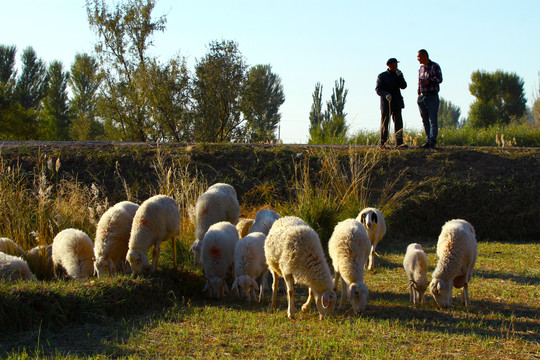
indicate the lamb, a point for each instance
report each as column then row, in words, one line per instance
column 457, row 251
column 10, row 247
column 416, row 265
column 293, row 250
column 73, row 254
column 264, row 220
column 349, row 248
column 156, row 220
column 39, row 259
column 243, row 226
column 373, row 221
column 218, row 203
column 249, row 264
column 13, row 268
column 112, row 238
column 217, row 256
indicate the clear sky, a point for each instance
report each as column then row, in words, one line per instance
column 307, row 42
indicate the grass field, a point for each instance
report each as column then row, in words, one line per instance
column 166, row 315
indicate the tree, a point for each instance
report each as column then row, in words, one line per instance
column 219, row 78
column 55, row 112
column 449, row 114
column 316, row 116
column 11, row 111
column 262, row 96
column 500, row 98
column 124, row 38
column 85, row 81
column 332, row 127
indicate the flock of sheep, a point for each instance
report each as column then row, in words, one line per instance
column 241, row 252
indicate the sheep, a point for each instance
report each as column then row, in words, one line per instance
column 73, row 254
column 112, row 238
column 293, row 250
column 373, row 221
column 249, row 264
column 39, row 259
column 13, row 268
column 416, row 265
column 349, row 248
column 217, row 203
column 243, row 226
column 10, row 247
column 457, row 251
column 263, row 221
column 156, row 220
column 217, row 256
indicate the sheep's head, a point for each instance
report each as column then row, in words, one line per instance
column 247, row 286
column 358, row 295
column 419, row 288
column 325, row 303
column 196, row 247
column 138, row 261
column 216, row 286
column 369, row 219
column 103, row 266
column 442, row 292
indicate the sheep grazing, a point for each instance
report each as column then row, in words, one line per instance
column 217, row 255
column 373, row 221
column 10, row 247
column 112, row 238
column 217, row 203
column 293, row 250
column 349, row 248
column 243, row 226
column 73, row 254
column 416, row 266
column 39, row 259
column 264, row 220
column 156, row 220
column 457, row 251
column 13, row 268
column 250, row 264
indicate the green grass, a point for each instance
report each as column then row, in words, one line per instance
column 502, row 321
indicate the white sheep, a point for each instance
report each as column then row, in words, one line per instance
column 243, row 226
column 217, row 255
column 218, row 203
column 415, row 264
column 10, row 247
column 457, row 251
column 73, row 254
column 349, row 248
column 264, row 220
column 250, row 264
column 112, row 238
column 156, row 220
column 13, row 268
column 373, row 221
column 293, row 250
column 39, row 259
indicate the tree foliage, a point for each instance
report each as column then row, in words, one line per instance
column 330, row 126
column 261, row 98
column 55, row 114
column 449, row 114
column 219, row 78
column 500, row 98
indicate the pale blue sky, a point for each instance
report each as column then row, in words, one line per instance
column 307, row 42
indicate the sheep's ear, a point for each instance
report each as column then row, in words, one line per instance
column 234, row 284
column 375, row 218
column 440, row 286
column 363, row 218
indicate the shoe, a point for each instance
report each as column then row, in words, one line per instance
column 426, row 146
column 402, row 146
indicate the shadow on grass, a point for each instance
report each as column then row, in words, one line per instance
column 525, row 280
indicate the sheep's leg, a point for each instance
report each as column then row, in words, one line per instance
column 155, row 256
column 275, row 288
column 411, row 293
column 263, row 283
column 344, row 289
column 465, row 295
column 307, row 304
column 336, row 280
column 371, row 258
column 289, row 281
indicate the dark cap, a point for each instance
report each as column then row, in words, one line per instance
column 391, row 61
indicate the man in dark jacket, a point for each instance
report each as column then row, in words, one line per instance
column 388, row 88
